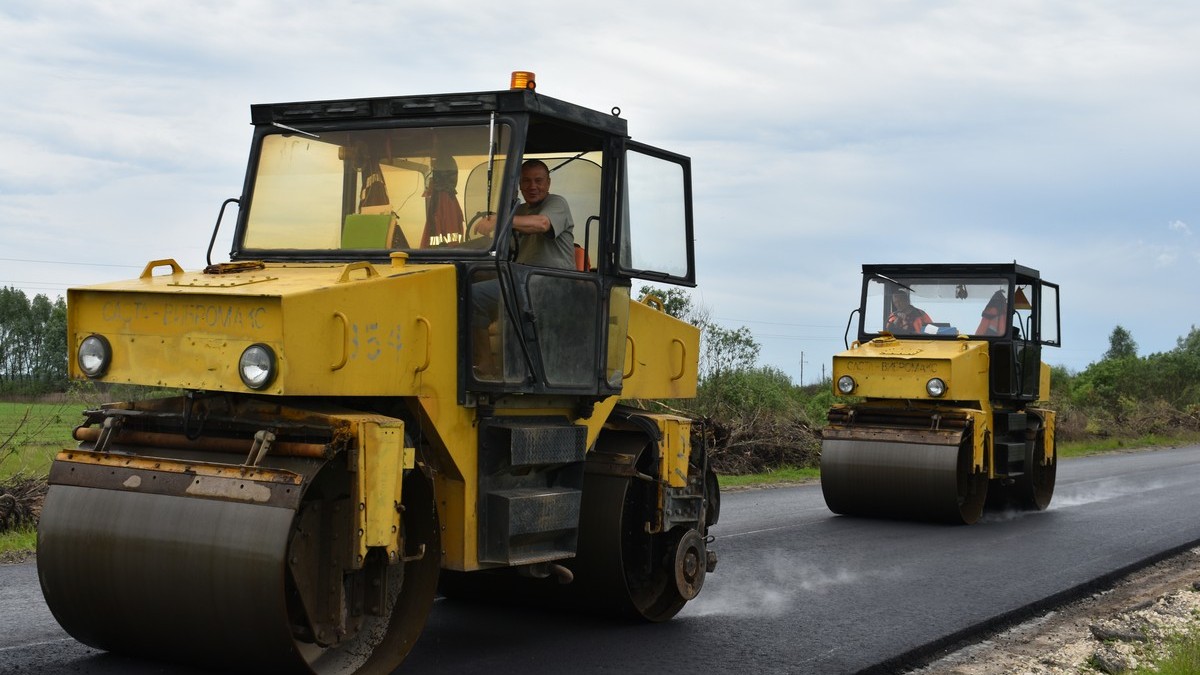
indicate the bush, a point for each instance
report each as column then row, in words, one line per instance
column 758, row 420
column 21, row 500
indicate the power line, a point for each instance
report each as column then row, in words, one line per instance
column 64, row 262
column 776, row 323
column 795, row 337
column 33, row 283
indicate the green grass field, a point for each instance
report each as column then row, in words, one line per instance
column 32, row 433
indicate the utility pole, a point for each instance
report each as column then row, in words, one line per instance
column 801, row 369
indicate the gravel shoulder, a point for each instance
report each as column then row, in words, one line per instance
column 1110, row 631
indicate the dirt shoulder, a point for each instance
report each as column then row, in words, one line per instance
column 1111, row 631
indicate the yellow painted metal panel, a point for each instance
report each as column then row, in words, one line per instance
column 675, row 448
column 1048, row 422
column 381, row 456
column 196, row 339
column 900, row 369
column 662, row 355
column 370, row 330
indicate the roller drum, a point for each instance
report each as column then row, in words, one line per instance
column 892, row 479
column 221, row 566
column 193, row 580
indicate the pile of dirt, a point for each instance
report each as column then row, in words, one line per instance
column 1112, row 631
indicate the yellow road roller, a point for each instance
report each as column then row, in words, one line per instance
column 378, row 387
column 942, row 387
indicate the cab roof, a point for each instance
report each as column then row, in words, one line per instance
column 333, row 113
column 952, row 269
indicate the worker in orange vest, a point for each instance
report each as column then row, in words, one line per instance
column 906, row 319
column 994, row 319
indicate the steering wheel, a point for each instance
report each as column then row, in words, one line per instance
column 472, row 233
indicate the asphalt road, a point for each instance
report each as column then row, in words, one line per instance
column 798, row 590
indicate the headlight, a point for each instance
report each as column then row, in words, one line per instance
column 95, row 355
column 936, row 387
column 257, row 366
column 845, row 384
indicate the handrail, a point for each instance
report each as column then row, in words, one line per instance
column 338, row 365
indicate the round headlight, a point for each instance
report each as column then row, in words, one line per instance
column 257, row 366
column 936, row 387
column 95, row 355
column 845, row 384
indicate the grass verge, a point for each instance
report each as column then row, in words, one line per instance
column 1095, row 447
column 781, row 476
column 1182, row 657
column 17, row 545
column 32, row 433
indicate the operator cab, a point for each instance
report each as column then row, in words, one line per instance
column 1007, row 305
column 412, row 178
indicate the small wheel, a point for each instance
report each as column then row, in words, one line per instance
column 690, row 564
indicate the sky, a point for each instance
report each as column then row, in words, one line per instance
column 824, row 134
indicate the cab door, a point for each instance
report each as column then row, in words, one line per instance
column 655, row 238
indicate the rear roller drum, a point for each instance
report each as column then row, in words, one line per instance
column 619, row 567
column 1033, row 490
column 624, row 569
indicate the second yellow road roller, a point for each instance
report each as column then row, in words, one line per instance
column 407, row 366
column 942, row 391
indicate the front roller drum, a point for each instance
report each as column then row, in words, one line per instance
column 892, row 479
column 208, row 581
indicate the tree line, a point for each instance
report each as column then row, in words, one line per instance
column 33, row 343
column 1126, row 395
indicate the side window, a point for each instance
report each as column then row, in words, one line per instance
column 655, row 239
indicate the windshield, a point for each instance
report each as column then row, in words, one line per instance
column 405, row 189
column 948, row 306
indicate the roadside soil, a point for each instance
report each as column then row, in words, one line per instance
column 1111, row 631
column 13, row 557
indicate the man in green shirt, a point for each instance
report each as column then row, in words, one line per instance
column 544, row 230
column 544, row 234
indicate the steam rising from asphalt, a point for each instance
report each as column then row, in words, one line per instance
column 1101, row 491
column 1079, row 495
column 765, row 591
